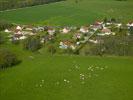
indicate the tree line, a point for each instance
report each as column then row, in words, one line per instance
column 13, row 4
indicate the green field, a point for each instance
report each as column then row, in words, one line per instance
column 70, row 13
column 42, row 78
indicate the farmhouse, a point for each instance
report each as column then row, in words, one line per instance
column 130, row 24
column 17, row 36
column 51, row 31
column 77, row 36
column 65, row 30
column 96, row 26
column 67, row 44
column 93, row 41
column 18, row 28
column 17, row 32
column 7, row 31
column 118, row 25
column 84, row 29
column 104, row 32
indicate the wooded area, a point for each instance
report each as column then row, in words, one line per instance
column 12, row 4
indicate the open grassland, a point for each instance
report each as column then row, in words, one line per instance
column 42, row 77
column 71, row 13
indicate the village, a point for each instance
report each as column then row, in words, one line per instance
column 66, row 50
column 78, row 35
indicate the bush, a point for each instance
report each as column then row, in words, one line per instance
column 98, row 49
column 84, row 50
column 2, row 38
column 7, row 59
column 131, row 30
column 4, row 25
column 32, row 43
column 51, row 49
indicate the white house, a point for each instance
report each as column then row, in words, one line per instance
column 7, row 31
column 130, row 25
column 65, row 30
column 84, row 29
column 51, row 31
column 118, row 25
column 106, row 31
column 78, row 36
column 22, row 37
column 18, row 28
column 93, row 41
column 66, row 45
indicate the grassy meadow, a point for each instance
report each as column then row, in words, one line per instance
column 44, row 77
column 41, row 76
column 70, row 13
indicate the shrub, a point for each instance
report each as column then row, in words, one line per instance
column 51, row 49
column 2, row 38
column 131, row 30
column 32, row 43
column 7, row 59
column 85, row 50
column 4, row 25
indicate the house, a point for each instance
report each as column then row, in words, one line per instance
column 93, row 41
column 108, row 23
column 18, row 28
column 65, row 30
column 97, row 26
column 47, row 38
column 51, row 31
column 63, row 45
column 130, row 24
column 22, row 37
column 77, row 36
column 106, row 31
column 40, row 29
column 67, row 44
column 84, row 29
column 28, row 33
column 99, row 22
column 28, row 28
column 17, row 32
column 118, row 25
column 7, row 31
column 17, row 36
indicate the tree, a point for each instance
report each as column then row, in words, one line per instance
column 2, row 38
column 51, row 49
column 131, row 30
column 4, row 25
column 32, row 43
column 7, row 59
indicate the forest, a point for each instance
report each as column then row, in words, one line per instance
column 13, row 4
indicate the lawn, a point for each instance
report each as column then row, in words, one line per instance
column 42, row 77
column 70, row 13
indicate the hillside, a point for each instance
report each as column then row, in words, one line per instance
column 67, row 50
column 71, row 13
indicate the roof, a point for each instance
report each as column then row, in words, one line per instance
column 106, row 30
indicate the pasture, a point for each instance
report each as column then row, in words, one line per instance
column 71, row 13
column 43, row 77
